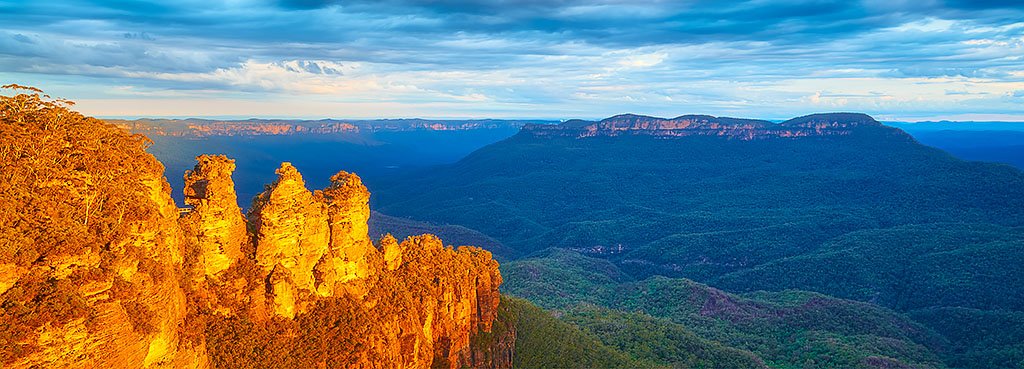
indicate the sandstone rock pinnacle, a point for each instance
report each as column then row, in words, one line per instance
column 215, row 223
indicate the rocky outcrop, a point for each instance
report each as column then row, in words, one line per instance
column 816, row 125
column 98, row 270
column 316, row 243
column 214, row 224
column 426, row 300
column 346, row 264
column 291, row 235
column 459, row 298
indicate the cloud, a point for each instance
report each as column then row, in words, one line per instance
column 643, row 60
column 554, row 58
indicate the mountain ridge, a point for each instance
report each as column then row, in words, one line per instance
column 752, row 214
column 813, row 125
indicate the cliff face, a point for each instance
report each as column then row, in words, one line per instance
column 90, row 249
column 98, row 269
column 816, row 125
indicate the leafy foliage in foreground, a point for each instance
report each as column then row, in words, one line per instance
column 543, row 341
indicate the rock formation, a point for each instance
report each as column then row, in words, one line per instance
column 98, row 270
column 215, row 223
column 312, row 243
column 426, row 300
column 92, row 255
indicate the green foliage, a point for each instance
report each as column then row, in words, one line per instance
column 658, row 340
column 873, row 216
column 543, row 341
column 905, row 267
column 786, row 329
column 980, row 338
column 714, row 209
column 555, row 278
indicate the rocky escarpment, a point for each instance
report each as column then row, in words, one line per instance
column 90, row 249
column 98, row 269
column 815, row 125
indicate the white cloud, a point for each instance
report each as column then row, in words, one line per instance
column 643, row 60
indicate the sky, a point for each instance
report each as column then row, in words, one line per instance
column 904, row 60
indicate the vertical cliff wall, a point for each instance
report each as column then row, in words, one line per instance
column 99, row 268
column 90, row 250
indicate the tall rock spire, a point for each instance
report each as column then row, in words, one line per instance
column 351, row 251
column 291, row 236
column 215, row 224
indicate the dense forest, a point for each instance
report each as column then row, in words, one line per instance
column 872, row 216
column 668, row 320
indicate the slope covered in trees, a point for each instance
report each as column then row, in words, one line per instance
column 669, row 319
column 836, row 204
column 698, row 206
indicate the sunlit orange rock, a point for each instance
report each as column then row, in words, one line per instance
column 101, row 271
column 92, row 257
column 215, row 222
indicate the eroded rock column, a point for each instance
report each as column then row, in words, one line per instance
column 215, row 224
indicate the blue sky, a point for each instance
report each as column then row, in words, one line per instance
column 894, row 59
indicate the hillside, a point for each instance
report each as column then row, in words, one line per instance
column 705, row 207
column 1003, row 143
column 670, row 319
column 543, row 341
column 400, row 228
column 832, row 203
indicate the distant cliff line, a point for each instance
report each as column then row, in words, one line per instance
column 814, row 125
column 282, row 127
